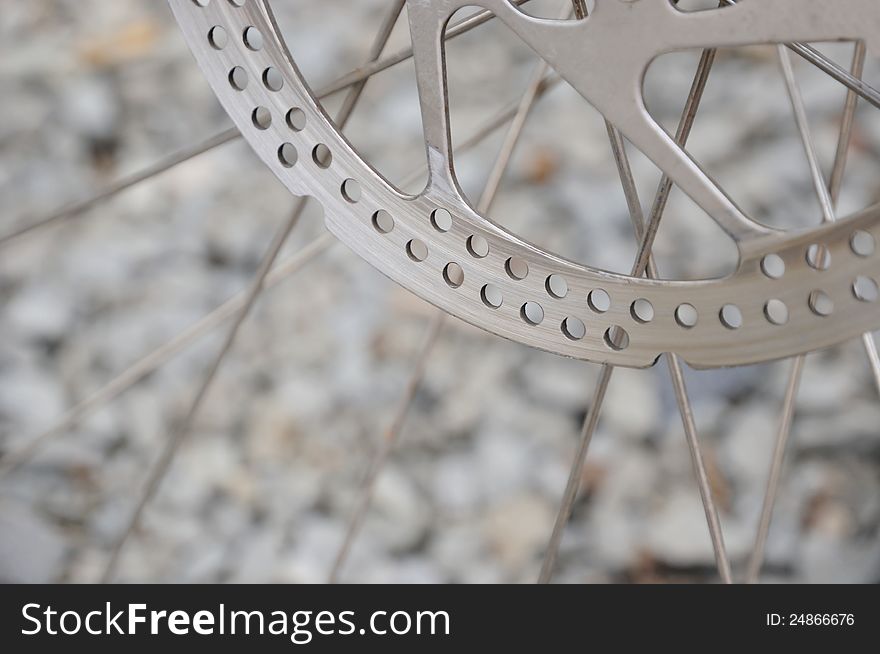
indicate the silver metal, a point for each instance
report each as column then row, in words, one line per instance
column 13, row 459
column 625, row 37
column 536, row 88
column 160, row 468
column 644, row 264
column 828, row 197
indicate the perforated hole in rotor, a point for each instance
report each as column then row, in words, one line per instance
column 599, row 300
column 686, row 315
column 417, row 250
column 773, row 266
column 287, row 155
column 517, row 268
column 557, row 286
column 574, row 328
column 383, row 222
column 491, row 296
column 218, row 38
column 478, row 246
column 453, row 274
column 296, row 119
column 862, row 244
column 819, row 257
column 238, row 78
column 253, row 38
column 776, row 312
column 821, row 303
column 616, row 338
column 441, row 219
column 351, row 191
column 865, row 289
column 731, row 316
column 532, row 313
column 201, row 3
column 262, row 118
column 642, row 311
column 237, row 3
column 322, row 156
column 272, row 79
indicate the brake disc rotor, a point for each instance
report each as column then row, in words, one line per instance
column 792, row 292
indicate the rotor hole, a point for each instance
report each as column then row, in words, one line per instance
column 201, row 3
column 862, row 244
column 238, row 78
column 272, row 79
column 478, row 246
column 262, row 118
column 686, row 315
column 574, row 328
column 351, row 191
column 819, row 257
column 821, row 303
column 776, row 312
column 532, row 313
column 253, row 38
column 491, row 296
column 599, row 300
column 642, row 311
column 517, row 268
column 218, row 38
column 296, row 119
column 557, row 286
column 237, row 3
column 731, row 316
column 616, row 338
column 865, row 289
column 453, row 274
column 383, row 222
column 441, row 219
column 287, row 155
column 773, row 266
column 322, row 156
column 417, row 250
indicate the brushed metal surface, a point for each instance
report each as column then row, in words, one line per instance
column 604, row 58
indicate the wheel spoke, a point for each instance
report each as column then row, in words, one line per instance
column 831, row 68
column 644, row 264
column 78, row 208
column 537, row 86
column 355, row 77
column 13, row 459
column 367, row 71
column 178, row 435
column 158, row 357
column 828, row 197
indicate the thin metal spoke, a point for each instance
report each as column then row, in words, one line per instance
column 828, row 197
column 151, row 362
column 389, row 440
column 354, row 77
column 644, row 264
column 13, row 459
column 756, row 559
column 359, row 75
column 370, row 69
column 78, row 208
column 537, row 86
column 853, row 82
column 178, row 435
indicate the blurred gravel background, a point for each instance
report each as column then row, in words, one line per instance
column 93, row 90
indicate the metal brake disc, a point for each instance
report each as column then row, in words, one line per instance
column 793, row 292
